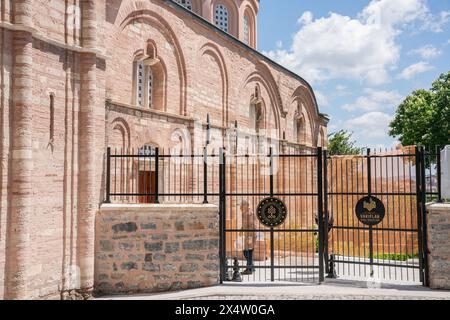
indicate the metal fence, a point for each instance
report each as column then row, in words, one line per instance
column 315, row 187
column 161, row 176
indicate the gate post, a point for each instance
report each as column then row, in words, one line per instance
column 108, row 175
column 205, row 175
column 423, row 216
column 320, row 213
column 157, row 175
column 369, row 193
column 272, row 236
column 419, row 196
column 325, row 209
column 222, row 216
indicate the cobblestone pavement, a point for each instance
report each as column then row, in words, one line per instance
column 330, row 290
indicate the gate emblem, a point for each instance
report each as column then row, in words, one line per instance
column 370, row 211
column 271, row 212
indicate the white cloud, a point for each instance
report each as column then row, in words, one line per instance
column 306, row 18
column 341, row 90
column 370, row 125
column 436, row 24
column 375, row 100
column 362, row 48
column 322, row 100
column 394, row 12
column 426, row 52
column 409, row 72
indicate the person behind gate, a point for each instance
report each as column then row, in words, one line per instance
column 248, row 223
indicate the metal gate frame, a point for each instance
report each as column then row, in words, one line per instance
column 421, row 193
column 326, row 261
column 224, row 267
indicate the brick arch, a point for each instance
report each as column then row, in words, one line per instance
column 129, row 13
column 184, row 144
column 121, row 125
column 214, row 51
column 321, row 138
column 271, row 88
column 254, row 4
column 307, row 98
column 299, row 103
column 251, row 14
column 264, row 70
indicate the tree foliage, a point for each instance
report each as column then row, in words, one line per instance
column 341, row 143
column 423, row 118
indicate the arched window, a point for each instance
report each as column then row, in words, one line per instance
column 139, row 82
column 185, row 3
column 150, row 87
column 246, row 30
column 147, row 150
column 221, row 17
column 144, row 85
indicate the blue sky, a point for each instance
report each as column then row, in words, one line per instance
column 362, row 57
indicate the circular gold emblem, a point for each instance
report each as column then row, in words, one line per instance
column 271, row 212
column 370, row 211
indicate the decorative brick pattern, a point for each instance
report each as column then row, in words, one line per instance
column 140, row 248
column 439, row 245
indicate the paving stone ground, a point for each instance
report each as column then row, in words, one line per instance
column 330, row 290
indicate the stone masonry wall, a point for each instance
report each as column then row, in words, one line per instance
column 154, row 248
column 439, row 245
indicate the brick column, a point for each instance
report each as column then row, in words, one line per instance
column 439, row 245
column 23, row 10
column 87, row 200
column 21, row 194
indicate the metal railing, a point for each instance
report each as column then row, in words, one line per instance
column 154, row 176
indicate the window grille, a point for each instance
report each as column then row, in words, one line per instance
column 140, row 83
column 185, row 3
column 221, row 17
column 246, row 30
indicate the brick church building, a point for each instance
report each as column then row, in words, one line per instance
column 79, row 76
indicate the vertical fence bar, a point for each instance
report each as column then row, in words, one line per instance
column 108, row 175
column 369, row 192
column 419, row 191
column 222, row 216
column 157, row 175
column 325, row 208
column 272, row 236
column 205, row 175
column 321, row 234
column 438, row 174
column 424, row 217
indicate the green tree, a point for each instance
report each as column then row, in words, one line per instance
column 423, row 118
column 341, row 143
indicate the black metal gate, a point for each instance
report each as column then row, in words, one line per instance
column 321, row 235
column 291, row 252
column 395, row 249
